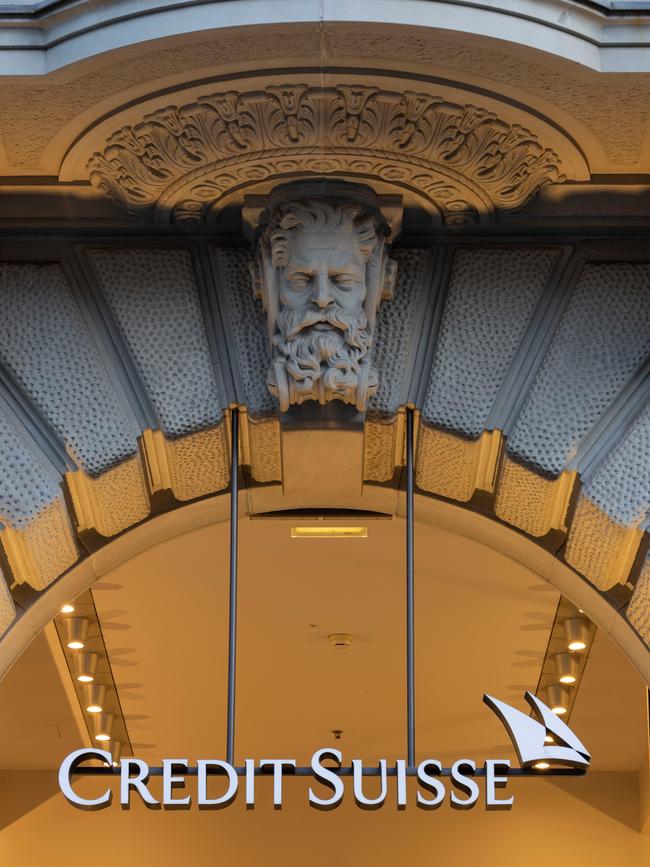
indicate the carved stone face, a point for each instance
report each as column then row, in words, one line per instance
column 325, row 271
column 321, row 288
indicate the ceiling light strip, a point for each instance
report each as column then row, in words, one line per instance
column 565, row 659
column 329, row 532
column 81, row 639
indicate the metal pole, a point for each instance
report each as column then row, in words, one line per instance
column 232, row 626
column 410, row 620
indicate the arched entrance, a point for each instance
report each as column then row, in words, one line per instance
column 324, row 219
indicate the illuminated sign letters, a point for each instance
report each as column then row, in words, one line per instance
column 327, row 773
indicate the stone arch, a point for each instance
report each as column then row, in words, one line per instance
column 519, row 335
column 435, row 513
column 120, row 362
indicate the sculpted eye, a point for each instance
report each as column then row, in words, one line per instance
column 299, row 281
column 345, row 280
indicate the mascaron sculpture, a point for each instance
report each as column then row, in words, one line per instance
column 322, row 268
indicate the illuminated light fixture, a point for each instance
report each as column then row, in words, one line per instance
column 84, row 666
column 103, row 726
column 94, row 697
column 549, row 739
column 67, row 608
column 541, row 766
column 329, row 532
column 576, row 632
column 557, row 698
column 567, row 667
column 115, row 749
column 75, row 630
column 340, row 639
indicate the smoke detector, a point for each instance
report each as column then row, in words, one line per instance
column 340, row 639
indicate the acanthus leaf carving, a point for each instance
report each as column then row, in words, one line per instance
column 180, row 162
column 294, row 118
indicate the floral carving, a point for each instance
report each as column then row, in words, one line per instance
column 463, row 162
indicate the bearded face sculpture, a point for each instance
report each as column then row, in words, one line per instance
column 323, row 270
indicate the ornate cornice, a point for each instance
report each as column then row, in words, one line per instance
column 462, row 162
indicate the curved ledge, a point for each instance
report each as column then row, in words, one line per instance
column 428, row 511
column 39, row 39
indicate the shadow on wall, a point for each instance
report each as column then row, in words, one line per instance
column 23, row 791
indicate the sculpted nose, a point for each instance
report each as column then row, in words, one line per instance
column 322, row 291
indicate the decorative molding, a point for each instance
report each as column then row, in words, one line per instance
column 531, row 502
column 461, row 161
column 454, row 466
column 264, row 449
column 191, row 466
column 156, row 460
column 599, row 548
column 379, row 448
column 39, row 553
column 111, row 502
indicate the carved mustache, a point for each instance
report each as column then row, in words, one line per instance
column 295, row 321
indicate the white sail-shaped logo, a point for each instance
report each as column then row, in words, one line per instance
column 528, row 734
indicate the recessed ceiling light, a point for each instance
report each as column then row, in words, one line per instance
column 329, row 532
column 84, row 666
column 94, row 697
column 115, row 749
column 576, row 632
column 557, row 698
column 567, row 667
column 103, row 726
column 67, row 608
column 75, row 630
column 541, row 766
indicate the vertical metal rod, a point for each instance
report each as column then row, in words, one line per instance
column 232, row 626
column 410, row 596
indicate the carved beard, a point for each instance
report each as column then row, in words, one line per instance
column 323, row 364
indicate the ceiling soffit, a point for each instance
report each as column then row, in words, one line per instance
column 460, row 156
